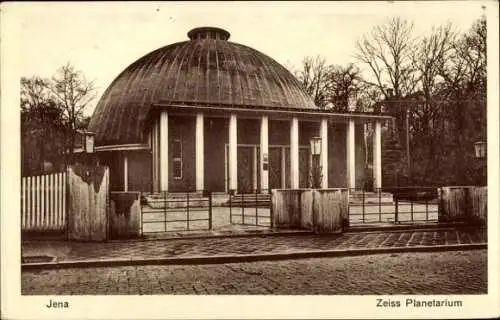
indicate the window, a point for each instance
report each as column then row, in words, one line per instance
column 177, row 158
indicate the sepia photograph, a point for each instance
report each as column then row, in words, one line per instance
column 252, row 150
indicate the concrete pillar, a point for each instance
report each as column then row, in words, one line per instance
column 294, row 153
column 233, row 152
column 351, row 148
column 154, row 155
column 283, row 168
column 264, row 154
column 323, row 133
column 164, row 151
column 200, row 153
column 377, row 155
column 125, row 172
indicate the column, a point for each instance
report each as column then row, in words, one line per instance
column 377, row 155
column 155, row 154
column 294, row 153
column 264, row 154
column 351, row 163
column 233, row 152
column 164, row 151
column 323, row 133
column 125, row 172
column 283, row 168
column 199, row 152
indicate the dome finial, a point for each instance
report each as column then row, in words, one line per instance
column 208, row 33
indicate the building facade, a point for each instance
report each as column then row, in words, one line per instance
column 210, row 114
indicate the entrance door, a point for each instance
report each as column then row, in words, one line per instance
column 304, row 167
column 245, row 169
column 279, row 167
column 275, row 168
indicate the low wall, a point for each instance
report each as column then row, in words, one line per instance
column 319, row 210
column 330, row 209
column 464, row 203
column 125, row 215
column 87, row 188
column 292, row 208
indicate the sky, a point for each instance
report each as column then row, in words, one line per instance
column 101, row 39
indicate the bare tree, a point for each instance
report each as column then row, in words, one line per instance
column 464, row 87
column 42, row 126
column 387, row 52
column 344, row 85
column 74, row 93
column 33, row 92
column 314, row 78
column 432, row 53
column 466, row 68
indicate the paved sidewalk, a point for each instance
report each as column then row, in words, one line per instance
column 226, row 249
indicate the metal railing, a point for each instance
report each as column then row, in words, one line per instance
column 176, row 211
column 250, row 209
column 395, row 205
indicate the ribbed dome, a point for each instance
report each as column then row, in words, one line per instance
column 207, row 69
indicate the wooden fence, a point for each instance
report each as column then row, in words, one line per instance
column 43, row 202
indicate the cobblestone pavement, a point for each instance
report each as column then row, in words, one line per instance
column 81, row 251
column 456, row 272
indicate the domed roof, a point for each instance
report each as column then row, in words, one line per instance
column 207, row 69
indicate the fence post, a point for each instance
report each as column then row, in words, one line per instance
column 142, row 213
column 42, row 202
column 55, row 194
column 426, row 209
column 379, row 204
column 348, row 207
column 243, row 208
column 31, row 191
column 37, row 201
column 50, row 212
column 60, row 195
column 210, row 210
column 411, row 208
column 440, row 202
column 23, row 203
column 271, row 212
column 187, row 220
column 396, row 211
column 230, row 208
column 43, row 218
column 363, row 202
column 165, row 209
column 256, row 209
column 64, row 197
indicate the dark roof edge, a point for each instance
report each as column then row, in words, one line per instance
column 276, row 110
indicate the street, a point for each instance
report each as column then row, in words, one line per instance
column 454, row 272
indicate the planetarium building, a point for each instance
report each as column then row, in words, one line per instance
column 210, row 114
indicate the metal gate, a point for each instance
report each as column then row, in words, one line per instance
column 394, row 205
column 176, row 212
column 251, row 209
